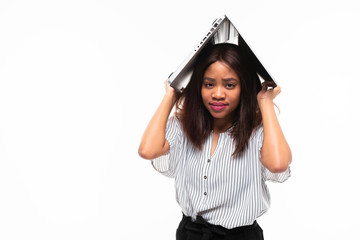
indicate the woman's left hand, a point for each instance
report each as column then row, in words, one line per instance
column 267, row 95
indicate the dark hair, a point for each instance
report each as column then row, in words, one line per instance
column 195, row 118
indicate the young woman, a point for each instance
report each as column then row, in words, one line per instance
column 222, row 145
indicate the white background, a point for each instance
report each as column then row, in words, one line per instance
column 79, row 80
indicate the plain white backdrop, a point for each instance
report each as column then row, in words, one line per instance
column 79, row 80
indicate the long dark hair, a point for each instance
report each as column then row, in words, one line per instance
column 196, row 119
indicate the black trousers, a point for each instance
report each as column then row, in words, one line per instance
column 201, row 230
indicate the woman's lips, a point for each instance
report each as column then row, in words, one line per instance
column 217, row 106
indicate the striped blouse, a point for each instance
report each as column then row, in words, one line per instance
column 224, row 190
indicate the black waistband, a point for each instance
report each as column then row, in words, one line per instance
column 208, row 230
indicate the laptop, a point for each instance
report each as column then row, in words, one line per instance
column 222, row 30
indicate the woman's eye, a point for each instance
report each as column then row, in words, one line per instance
column 208, row 85
column 230, row 85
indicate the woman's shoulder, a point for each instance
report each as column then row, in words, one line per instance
column 174, row 124
column 257, row 132
column 259, row 129
column 174, row 120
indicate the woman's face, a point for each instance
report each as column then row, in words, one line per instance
column 220, row 91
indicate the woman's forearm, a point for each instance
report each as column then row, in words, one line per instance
column 275, row 153
column 153, row 143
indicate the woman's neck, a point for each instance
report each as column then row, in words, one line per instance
column 221, row 125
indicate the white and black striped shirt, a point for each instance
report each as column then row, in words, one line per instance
column 224, row 190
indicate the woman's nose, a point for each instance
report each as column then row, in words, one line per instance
column 218, row 93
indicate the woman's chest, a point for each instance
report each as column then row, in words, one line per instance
column 216, row 167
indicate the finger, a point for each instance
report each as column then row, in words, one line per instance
column 167, row 86
column 277, row 90
column 270, row 84
column 264, row 87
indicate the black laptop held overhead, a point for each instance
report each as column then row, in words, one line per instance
column 222, row 31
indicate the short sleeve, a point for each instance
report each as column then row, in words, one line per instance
column 276, row 177
column 166, row 164
column 266, row 174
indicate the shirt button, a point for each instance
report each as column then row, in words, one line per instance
column 205, row 193
column 205, row 177
column 209, row 160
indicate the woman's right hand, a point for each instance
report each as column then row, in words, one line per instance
column 169, row 90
